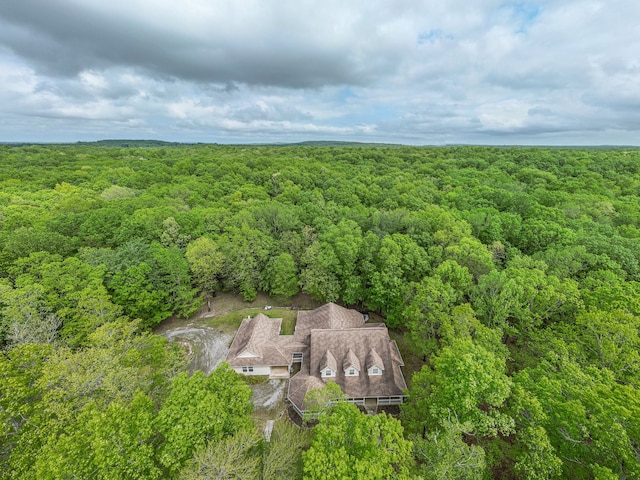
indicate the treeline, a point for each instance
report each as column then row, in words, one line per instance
column 514, row 272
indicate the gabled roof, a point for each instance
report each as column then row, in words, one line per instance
column 329, row 361
column 351, row 347
column 328, row 316
column 261, row 337
column 374, row 360
column 351, row 360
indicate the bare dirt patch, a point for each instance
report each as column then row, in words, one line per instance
column 207, row 347
column 268, row 396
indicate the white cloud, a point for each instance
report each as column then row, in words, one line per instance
column 557, row 71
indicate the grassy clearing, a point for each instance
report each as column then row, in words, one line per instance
column 229, row 322
column 288, row 321
column 224, row 303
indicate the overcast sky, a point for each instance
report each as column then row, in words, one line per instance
column 558, row 72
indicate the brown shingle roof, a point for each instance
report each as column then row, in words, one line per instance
column 260, row 336
column 374, row 360
column 328, row 316
column 328, row 361
column 351, row 360
column 351, row 346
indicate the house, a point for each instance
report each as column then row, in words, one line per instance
column 360, row 357
column 259, row 349
column 331, row 343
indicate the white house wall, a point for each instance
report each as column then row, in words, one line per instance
column 257, row 370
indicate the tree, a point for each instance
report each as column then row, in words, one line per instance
column 26, row 316
column 114, row 443
column 201, row 409
column 88, row 411
column 427, row 311
column 246, row 251
column 280, row 276
column 171, row 276
column 319, row 400
column 349, row 444
column 133, row 289
column 466, row 381
column 443, row 454
column 472, row 254
column 20, row 372
column 588, row 417
column 317, row 277
column 205, row 262
column 283, row 455
column 171, row 236
column 236, row 456
column 398, row 261
column 610, row 340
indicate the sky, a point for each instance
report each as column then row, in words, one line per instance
column 420, row 72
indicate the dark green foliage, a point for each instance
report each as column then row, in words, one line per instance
column 513, row 270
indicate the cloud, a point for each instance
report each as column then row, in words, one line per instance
column 558, row 71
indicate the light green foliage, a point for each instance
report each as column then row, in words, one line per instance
column 472, row 254
column 611, row 340
column 205, row 263
column 586, row 416
column 26, row 316
column 319, row 400
column 201, row 409
column 427, row 311
column 523, row 297
column 524, row 253
column 462, row 323
column 134, row 291
column 88, row 411
column 443, row 455
column 280, row 276
column 318, row 277
column 246, row 252
column 116, row 191
column 114, row 443
column 537, row 461
column 54, row 298
column 495, row 298
column 398, row 261
column 172, row 278
column 171, row 236
column 466, row 381
column 331, row 264
column 20, row 372
column 234, row 457
column 283, row 456
column 349, row 444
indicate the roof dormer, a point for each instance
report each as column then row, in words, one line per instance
column 328, row 365
column 375, row 366
column 351, row 364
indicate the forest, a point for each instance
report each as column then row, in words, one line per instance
column 512, row 273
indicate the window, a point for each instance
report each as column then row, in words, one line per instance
column 352, row 371
column 247, row 369
column 327, row 372
column 375, row 371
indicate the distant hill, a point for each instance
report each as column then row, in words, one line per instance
column 133, row 143
column 128, row 143
column 334, row 143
